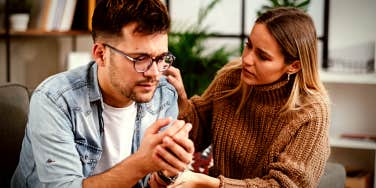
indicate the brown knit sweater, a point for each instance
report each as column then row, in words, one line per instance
column 260, row 147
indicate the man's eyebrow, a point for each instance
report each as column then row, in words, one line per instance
column 145, row 54
column 138, row 54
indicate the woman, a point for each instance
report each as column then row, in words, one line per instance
column 266, row 116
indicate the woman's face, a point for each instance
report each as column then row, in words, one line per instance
column 262, row 60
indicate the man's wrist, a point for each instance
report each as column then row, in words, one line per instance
column 155, row 182
column 166, row 179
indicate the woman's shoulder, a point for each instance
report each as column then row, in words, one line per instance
column 316, row 104
column 314, row 108
column 317, row 98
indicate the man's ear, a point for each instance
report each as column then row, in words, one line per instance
column 294, row 67
column 98, row 53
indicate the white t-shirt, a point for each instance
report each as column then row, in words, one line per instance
column 118, row 133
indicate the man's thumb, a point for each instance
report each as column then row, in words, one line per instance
column 160, row 123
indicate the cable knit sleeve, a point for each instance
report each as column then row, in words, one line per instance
column 199, row 113
column 300, row 152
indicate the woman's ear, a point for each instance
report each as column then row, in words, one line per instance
column 294, row 67
column 98, row 53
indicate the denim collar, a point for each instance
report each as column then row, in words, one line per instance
column 95, row 93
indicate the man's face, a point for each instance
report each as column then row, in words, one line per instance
column 121, row 84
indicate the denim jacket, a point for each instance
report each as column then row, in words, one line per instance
column 63, row 137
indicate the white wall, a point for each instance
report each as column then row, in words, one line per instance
column 33, row 59
column 354, row 105
column 353, row 108
column 225, row 17
column 351, row 22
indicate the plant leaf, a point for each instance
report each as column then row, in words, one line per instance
column 304, row 5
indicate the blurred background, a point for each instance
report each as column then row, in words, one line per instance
column 205, row 35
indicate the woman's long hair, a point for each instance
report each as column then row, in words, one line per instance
column 296, row 35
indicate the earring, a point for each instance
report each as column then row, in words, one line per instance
column 288, row 76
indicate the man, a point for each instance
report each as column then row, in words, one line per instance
column 86, row 125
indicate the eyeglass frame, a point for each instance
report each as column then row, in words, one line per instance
column 135, row 60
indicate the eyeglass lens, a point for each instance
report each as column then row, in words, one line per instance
column 163, row 62
column 144, row 62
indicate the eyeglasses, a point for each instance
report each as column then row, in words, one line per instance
column 143, row 62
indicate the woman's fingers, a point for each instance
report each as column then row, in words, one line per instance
column 174, row 77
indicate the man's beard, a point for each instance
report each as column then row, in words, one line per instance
column 139, row 97
column 129, row 92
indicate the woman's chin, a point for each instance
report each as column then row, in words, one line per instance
column 248, row 80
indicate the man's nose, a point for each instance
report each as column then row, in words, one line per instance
column 152, row 71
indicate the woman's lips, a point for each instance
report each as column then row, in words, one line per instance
column 247, row 73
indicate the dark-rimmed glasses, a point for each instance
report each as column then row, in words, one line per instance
column 143, row 62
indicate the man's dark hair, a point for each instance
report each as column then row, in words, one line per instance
column 151, row 16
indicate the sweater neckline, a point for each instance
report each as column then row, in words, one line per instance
column 273, row 86
column 276, row 93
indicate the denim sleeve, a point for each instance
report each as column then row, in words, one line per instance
column 173, row 110
column 50, row 129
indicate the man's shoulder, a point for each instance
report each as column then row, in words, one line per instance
column 165, row 87
column 61, row 83
column 165, row 97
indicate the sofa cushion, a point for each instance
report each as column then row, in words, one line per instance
column 14, row 105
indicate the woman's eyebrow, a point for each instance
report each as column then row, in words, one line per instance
column 263, row 52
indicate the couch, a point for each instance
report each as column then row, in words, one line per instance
column 14, row 106
column 334, row 176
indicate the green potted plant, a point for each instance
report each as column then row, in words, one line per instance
column 302, row 4
column 19, row 14
column 198, row 66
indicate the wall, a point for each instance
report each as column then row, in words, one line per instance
column 353, row 108
column 33, row 59
column 352, row 23
column 353, row 105
column 30, row 66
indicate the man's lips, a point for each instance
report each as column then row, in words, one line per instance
column 147, row 86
